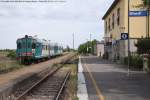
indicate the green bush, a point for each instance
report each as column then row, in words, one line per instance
column 106, row 56
column 11, row 54
column 149, row 63
column 143, row 46
column 135, row 61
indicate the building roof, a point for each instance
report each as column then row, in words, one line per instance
column 110, row 8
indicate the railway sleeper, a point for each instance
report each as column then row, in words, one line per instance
column 40, row 98
column 45, row 91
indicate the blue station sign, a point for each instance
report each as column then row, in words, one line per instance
column 138, row 13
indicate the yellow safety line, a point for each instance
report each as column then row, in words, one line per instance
column 100, row 95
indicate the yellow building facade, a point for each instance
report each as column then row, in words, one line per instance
column 116, row 23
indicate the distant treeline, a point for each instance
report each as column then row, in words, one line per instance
column 87, row 47
column 7, row 50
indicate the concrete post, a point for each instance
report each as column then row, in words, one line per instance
column 146, row 66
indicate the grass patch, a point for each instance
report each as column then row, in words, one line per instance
column 71, row 88
column 8, row 62
column 7, row 66
column 3, row 53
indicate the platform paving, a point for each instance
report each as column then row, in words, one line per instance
column 82, row 89
column 108, row 81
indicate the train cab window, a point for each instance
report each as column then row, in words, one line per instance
column 24, row 45
column 19, row 45
column 33, row 45
column 29, row 46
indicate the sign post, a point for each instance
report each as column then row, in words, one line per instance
column 125, row 36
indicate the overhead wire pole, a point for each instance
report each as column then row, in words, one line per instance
column 87, row 46
column 73, row 40
column 90, row 43
column 90, row 36
column 128, row 37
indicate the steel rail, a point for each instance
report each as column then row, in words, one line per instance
column 62, row 86
column 36, row 84
column 43, row 79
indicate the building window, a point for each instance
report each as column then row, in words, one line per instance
column 106, row 27
column 113, row 20
column 109, row 25
column 118, row 16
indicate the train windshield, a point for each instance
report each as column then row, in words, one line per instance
column 19, row 46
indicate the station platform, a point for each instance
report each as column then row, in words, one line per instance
column 106, row 80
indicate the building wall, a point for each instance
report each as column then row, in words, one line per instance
column 100, row 49
column 137, row 24
column 138, row 27
column 115, row 33
column 117, row 28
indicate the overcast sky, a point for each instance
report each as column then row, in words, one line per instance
column 52, row 21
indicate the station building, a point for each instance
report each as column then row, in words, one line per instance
column 116, row 22
column 99, row 49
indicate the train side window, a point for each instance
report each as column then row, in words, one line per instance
column 33, row 45
column 19, row 46
column 46, row 48
column 43, row 47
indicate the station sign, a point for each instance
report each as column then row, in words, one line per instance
column 124, row 36
column 138, row 13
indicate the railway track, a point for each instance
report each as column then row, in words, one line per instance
column 49, row 87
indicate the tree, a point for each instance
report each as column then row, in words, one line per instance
column 87, row 47
column 143, row 46
column 67, row 49
column 146, row 4
column 82, row 49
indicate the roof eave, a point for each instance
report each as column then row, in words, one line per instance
column 110, row 9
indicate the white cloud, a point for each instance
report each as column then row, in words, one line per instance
column 54, row 21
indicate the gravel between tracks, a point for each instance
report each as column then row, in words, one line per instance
column 8, row 80
column 48, row 89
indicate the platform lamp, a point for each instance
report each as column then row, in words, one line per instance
column 128, row 37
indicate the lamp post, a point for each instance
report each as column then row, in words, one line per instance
column 148, row 22
column 73, row 40
column 87, row 46
column 128, row 37
column 148, row 12
column 121, row 30
column 91, row 49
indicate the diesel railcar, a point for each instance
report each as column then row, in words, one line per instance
column 31, row 49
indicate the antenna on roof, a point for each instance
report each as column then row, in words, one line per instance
column 26, row 36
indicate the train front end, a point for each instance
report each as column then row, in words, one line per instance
column 25, row 51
